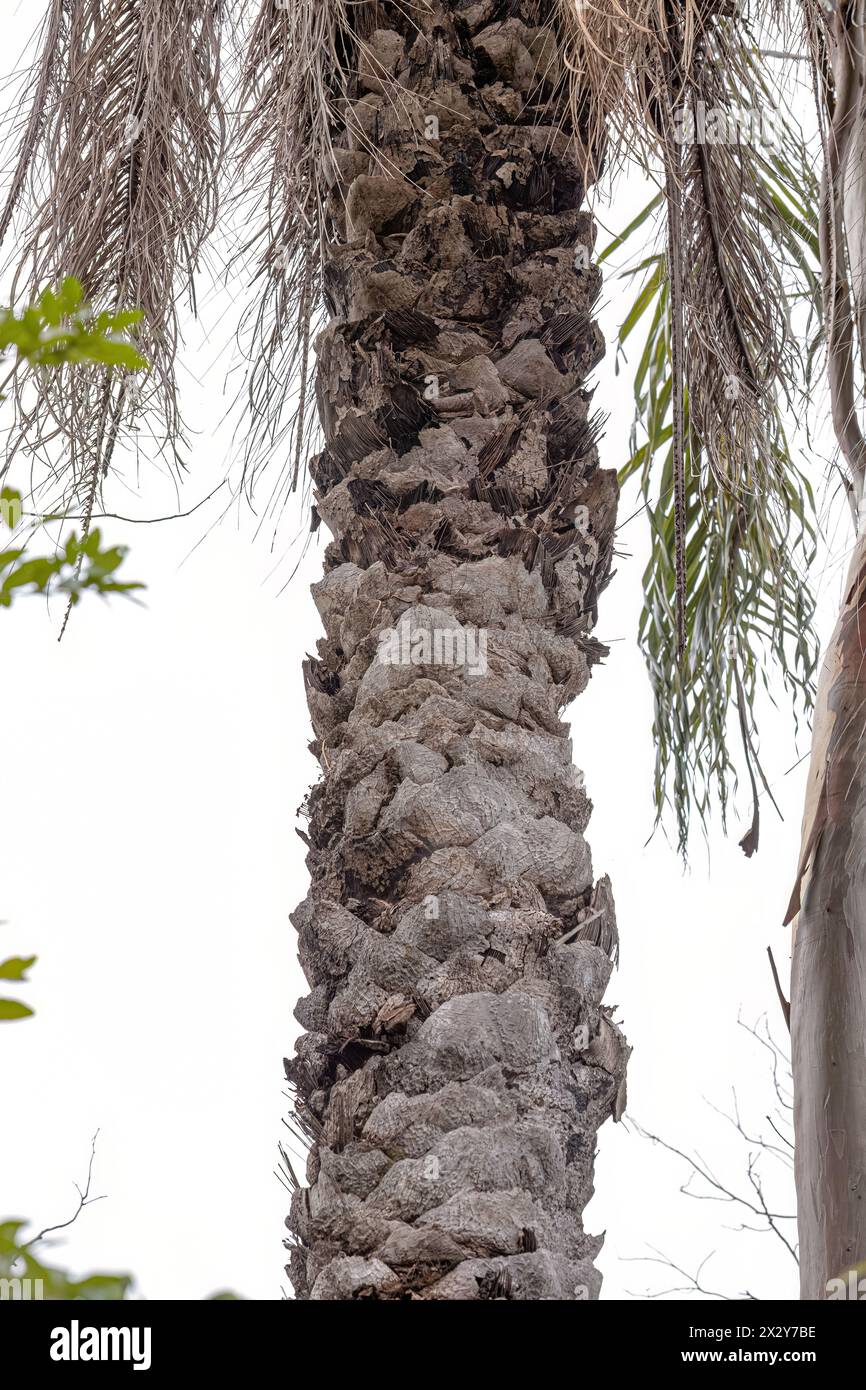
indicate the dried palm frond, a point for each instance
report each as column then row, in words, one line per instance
column 299, row 68
column 113, row 181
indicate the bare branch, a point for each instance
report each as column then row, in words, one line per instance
column 84, row 1200
column 693, row 1284
column 758, row 1215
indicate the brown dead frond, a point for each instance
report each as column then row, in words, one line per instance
column 112, row 179
column 296, row 71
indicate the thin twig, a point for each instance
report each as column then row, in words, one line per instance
column 84, row 1200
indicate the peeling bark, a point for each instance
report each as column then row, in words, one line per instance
column 458, row 1060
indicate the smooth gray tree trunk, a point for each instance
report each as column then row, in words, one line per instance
column 828, row 1003
column 828, row 906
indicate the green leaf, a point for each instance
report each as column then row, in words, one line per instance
column 101, row 1288
column 647, row 294
column 15, row 967
column 61, row 571
column 60, row 329
column 9, row 1234
column 11, row 1010
column 127, row 318
column 106, row 350
column 8, row 557
column 57, row 1284
column 620, row 240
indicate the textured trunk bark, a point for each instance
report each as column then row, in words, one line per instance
column 459, row 1060
column 828, row 983
column 828, row 906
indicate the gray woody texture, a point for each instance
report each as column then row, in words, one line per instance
column 458, row 1060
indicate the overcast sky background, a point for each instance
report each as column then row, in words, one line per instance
column 152, row 768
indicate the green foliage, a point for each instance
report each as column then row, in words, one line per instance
column 57, row 330
column 15, row 968
column 17, row 1260
column 750, row 536
column 61, row 328
column 77, row 566
column 11, row 1010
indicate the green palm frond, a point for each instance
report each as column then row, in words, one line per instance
column 750, row 530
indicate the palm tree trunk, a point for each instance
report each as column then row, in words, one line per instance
column 828, row 983
column 458, row 1060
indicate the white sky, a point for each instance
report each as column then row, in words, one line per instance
column 152, row 767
